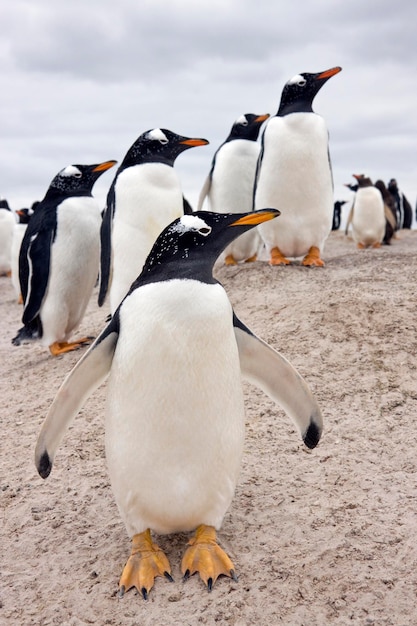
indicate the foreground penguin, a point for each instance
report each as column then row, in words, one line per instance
column 294, row 174
column 144, row 198
column 175, row 353
column 229, row 185
column 367, row 214
column 59, row 258
column 7, row 224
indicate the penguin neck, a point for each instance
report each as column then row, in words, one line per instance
column 286, row 108
column 58, row 195
column 182, row 268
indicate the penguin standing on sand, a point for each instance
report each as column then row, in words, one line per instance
column 23, row 216
column 337, row 214
column 7, row 224
column 229, row 185
column 175, row 353
column 294, row 174
column 59, row 258
column 389, row 211
column 403, row 207
column 368, row 216
column 145, row 196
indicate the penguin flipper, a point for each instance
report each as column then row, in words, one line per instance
column 205, row 190
column 105, row 247
column 38, row 258
column 270, row 371
column 86, row 376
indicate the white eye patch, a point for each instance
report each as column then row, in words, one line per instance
column 71, row 170
column 242, row 120
column 192, row 223
column 297, row 80
column 157, row 135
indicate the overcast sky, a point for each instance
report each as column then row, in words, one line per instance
column 81, row 80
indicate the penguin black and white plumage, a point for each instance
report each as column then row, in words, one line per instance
column 59, row 258
column 144, row 198
column 229, row 185
column 175, row 353
column 337, row 214
column 389, row 211
column 294, row 174
column 7, row 224
column 403, row 207
column 23, row 216
column 368, row 216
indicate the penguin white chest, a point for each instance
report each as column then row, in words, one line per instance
column 74, row 267
column 148, row 198
column 175, row 415
column 295, row 177
column 233, row 177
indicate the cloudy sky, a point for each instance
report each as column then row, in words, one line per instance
column 81, row 80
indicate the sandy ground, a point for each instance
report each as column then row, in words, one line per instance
column 318, row 537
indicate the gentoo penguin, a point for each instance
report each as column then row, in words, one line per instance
column 23, row 216
column 59, row 258
column 337, row 214
column 368, row 217
column 403, row 207
column 175, row 353
column 7, row 223
column 389, row 211
column 229, row 185
column 294, row 174
column 145, row 196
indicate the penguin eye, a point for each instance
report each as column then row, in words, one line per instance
column 204, row 230
column 77, row 174
column 163, row 141
column 301, row 82
column 244, row 122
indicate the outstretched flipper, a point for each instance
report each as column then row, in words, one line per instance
column 270, row 371
column 87, row 375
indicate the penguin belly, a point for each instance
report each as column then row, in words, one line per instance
column 174, row 414
column 74, row 268
column 148, row 198
column 295, row 177
column 368, row 221
column 7, row 224
column 231, row 191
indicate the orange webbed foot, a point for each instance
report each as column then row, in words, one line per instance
column 312, row 258
column 206, row 557
column 277, row 258
column 61, row 347
column 146, row 562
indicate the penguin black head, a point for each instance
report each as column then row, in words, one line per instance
column 247, row 126
column 78, row 180
column 299, row 92
column 190, row 245
column 159, row 146
column 4, row 204
column 24, row 215
column 363, row 181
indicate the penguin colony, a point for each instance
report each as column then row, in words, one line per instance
column 171, row 321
